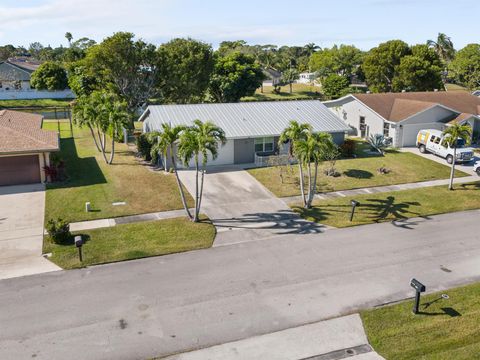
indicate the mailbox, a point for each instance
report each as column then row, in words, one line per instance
column 78, row 241
column 419, row 288
column 354, row 205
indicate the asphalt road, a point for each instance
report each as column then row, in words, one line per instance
column 163, row 305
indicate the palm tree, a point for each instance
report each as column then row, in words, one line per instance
column 293, row 133
column 85, row 113
column 117, row 118
column 289, row 76
column 452, row 134
column 312, row 149
column 310, row 48
column 165, row 144
column 197, row 142
column 69, row 38
column 443, row 46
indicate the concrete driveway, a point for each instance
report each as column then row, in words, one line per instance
column 234, row 200
column 466, row 168
column 21, row 231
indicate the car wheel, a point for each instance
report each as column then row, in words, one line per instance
column 450, row 159
column 478, row 171
column 422, row 149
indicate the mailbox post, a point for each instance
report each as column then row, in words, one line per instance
column 354, row 205
column 78, row 244
column 419, row 288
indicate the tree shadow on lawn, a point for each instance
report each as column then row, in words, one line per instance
column 463, row 187
column 382, row 209
column 79, row 171
column 358, row 174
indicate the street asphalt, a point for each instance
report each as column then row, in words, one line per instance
column 175, row 303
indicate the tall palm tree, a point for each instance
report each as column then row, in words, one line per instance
column 117, row 118
column 197, row 142
column 452, row 134
column 165, row 144
column 310, row 48
column 69, row 37
column 443, row 46
column 293, row 133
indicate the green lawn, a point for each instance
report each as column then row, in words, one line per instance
column 90, row 179
column 299, row 92
column 133, row 241
column 35, row 103
column 358, row 173
column 393, row 205
column 447, row 329
column 455, row 87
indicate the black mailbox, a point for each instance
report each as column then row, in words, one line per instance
column 417, row 285
column 419, row 288
column 78, row 241
column 354, row 205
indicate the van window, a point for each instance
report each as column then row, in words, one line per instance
column 432, row 139
column 437, row 140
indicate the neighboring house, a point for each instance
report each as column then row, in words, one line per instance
column 306, row 78
column 251, row 128
column 24, row 148
column 15, row 74
column 272, row 77
column 476, row 93
column 401, row 115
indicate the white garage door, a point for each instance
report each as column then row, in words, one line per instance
column 225, row 155
column 410, row 131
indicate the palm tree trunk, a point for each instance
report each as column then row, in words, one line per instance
column 201, row 189
column 452, row 172
column 290, row 88
column 302, row 190
column 94, row 138
column 314, row 182
column 112, row 153
column 309, row 197
column 195, row 215
column 180, row 186
column 103, row 140
column 165, row 168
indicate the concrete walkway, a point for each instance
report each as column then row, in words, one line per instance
column 103, row 223
column 331, row 339
column 383, row 189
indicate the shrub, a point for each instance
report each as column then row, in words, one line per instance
column 144, row 146
column 58, row 230
column 348, row 148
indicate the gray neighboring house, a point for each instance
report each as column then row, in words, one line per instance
column 401, row 116
column 15, row 73
column 251, row 128
column 272, row 77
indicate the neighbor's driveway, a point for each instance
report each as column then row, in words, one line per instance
column 21, row 231
column 466, row 168
column 234, row 200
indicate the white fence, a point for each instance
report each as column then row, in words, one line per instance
column 35, row 94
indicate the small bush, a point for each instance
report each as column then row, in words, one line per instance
column 144, row 146
column 348, row 148
column 58, row 230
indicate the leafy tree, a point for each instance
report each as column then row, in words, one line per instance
column 35, row 49
column 294, row 133
column 452, row 134
column 420, row 71
column 234, row 76
column 465, row 68
column 443, row 46
column 80, row 81
column 7, row 51
column 187, row 65
column 343, row 60
column 49, row 76
column 334, row 85
column 197, row 142
column 289, row 76
column 125, row 66
column 381, row 62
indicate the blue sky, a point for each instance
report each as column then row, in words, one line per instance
column 364, row 23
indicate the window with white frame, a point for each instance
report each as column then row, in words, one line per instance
column 386, row 129
column 264, row 144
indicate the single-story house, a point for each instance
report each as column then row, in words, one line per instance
column 251, row 128
column 15, row 73
column 306, row 78
column 24, row 148
column 272, row 77
column 401, row 115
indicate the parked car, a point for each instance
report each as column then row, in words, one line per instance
column 476, row 167
column 433, row 141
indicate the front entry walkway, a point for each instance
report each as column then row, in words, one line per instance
column 21, row 231
column 235, row 201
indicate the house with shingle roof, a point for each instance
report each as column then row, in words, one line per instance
column 25, row 148
column 401, row 116
column 15, row 73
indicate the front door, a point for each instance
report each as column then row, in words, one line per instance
column 363, row 127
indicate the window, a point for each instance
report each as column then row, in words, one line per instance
column 437, row 140
column 264, row 144
column 386, row 129
column 362, row 122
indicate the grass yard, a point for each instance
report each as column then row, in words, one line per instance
column 300, row 92
column 395, row 205
column 455, row 87
column 447, row 329
column 90, row 179
column 133, row 241
column 357, row 173
column 34, row 103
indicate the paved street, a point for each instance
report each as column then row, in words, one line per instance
column 22, row 211
column 164, row 305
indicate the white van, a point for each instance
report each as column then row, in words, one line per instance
column 476, row 167
column 433, row 141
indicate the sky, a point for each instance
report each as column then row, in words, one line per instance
column 364, row 23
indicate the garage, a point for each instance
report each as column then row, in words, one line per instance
column 409, row 132
column 18, row 170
